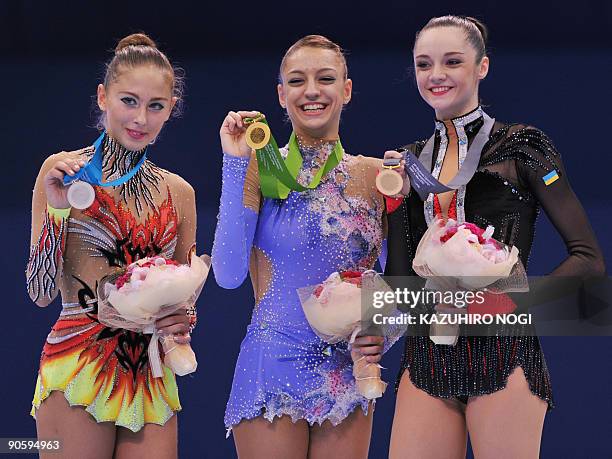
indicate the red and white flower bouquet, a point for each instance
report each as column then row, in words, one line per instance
column 463, row 256
column 150, row 289
column 469, row 254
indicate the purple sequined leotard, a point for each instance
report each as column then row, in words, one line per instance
column 283, row 367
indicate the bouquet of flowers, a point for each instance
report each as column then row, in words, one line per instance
column 456, row 256
column 338, row 309
column 150, row 289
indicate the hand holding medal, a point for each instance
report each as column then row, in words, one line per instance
column 243, row 132
column 258, row 133
column 55, row 190
column 233, row 132
column 278, row 174
column 81, row 193
column 392, row 180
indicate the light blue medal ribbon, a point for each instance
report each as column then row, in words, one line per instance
column 92, row 171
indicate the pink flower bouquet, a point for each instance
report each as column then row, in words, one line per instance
column 336, row 312
column 464, row 256
column 468, row 254
column 148, row 290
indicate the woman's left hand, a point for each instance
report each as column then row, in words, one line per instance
column 176, row 323
column 369, row 346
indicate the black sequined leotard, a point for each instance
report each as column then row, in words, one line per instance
column 506, row 192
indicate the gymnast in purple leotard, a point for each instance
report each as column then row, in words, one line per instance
column 293, row 394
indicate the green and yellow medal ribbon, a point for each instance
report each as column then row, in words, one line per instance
column 277, row 176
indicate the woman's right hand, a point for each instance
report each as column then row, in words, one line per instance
column 232, row 134
column 54, row 181
column 393, row 154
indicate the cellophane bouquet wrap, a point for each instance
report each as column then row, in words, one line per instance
column 338, row 309
column 463, row 256
column 134, row 298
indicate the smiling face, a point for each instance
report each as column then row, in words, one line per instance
column 447, row 72
column 314, row 89
column 136, row 105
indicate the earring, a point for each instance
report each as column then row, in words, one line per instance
column 152, row 142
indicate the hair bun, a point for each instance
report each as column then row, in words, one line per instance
column 135, row 39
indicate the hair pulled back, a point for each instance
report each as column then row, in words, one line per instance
column 315, row 41
column 475, row 31
column 138, row 50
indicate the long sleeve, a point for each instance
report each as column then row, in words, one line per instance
column 47, row 243
column 236, row 221
column 399, row 245
column 399, row 256
column 545, row 176
column 382, row 258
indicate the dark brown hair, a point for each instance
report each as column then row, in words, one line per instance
column 137, row 50
column 315, row 41
column 475, row 31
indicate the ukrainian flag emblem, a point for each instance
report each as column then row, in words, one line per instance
column 551, row 177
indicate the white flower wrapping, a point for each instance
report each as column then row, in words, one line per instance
column 333, row 308
column 462, row 257
column 153, row 292
column 335, row 311
column 466, row 257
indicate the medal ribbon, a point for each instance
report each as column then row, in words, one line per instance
column 92, row 171
column 418, row 169
column 277, row 176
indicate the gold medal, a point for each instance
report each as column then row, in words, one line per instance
column 258, row 135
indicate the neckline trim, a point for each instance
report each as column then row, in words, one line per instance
column 461, row 121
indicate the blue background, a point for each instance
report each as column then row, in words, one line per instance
column 550, row 67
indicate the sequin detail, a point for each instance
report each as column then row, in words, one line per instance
column 283, row 368
column 102, row 369
column 528, row 145
column 462, row 139
column 497, row 196
column 45, row 259
column 475, row 366
column 112, row 231
column 142, row 188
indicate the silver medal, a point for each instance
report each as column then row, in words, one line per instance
column 81, row 195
